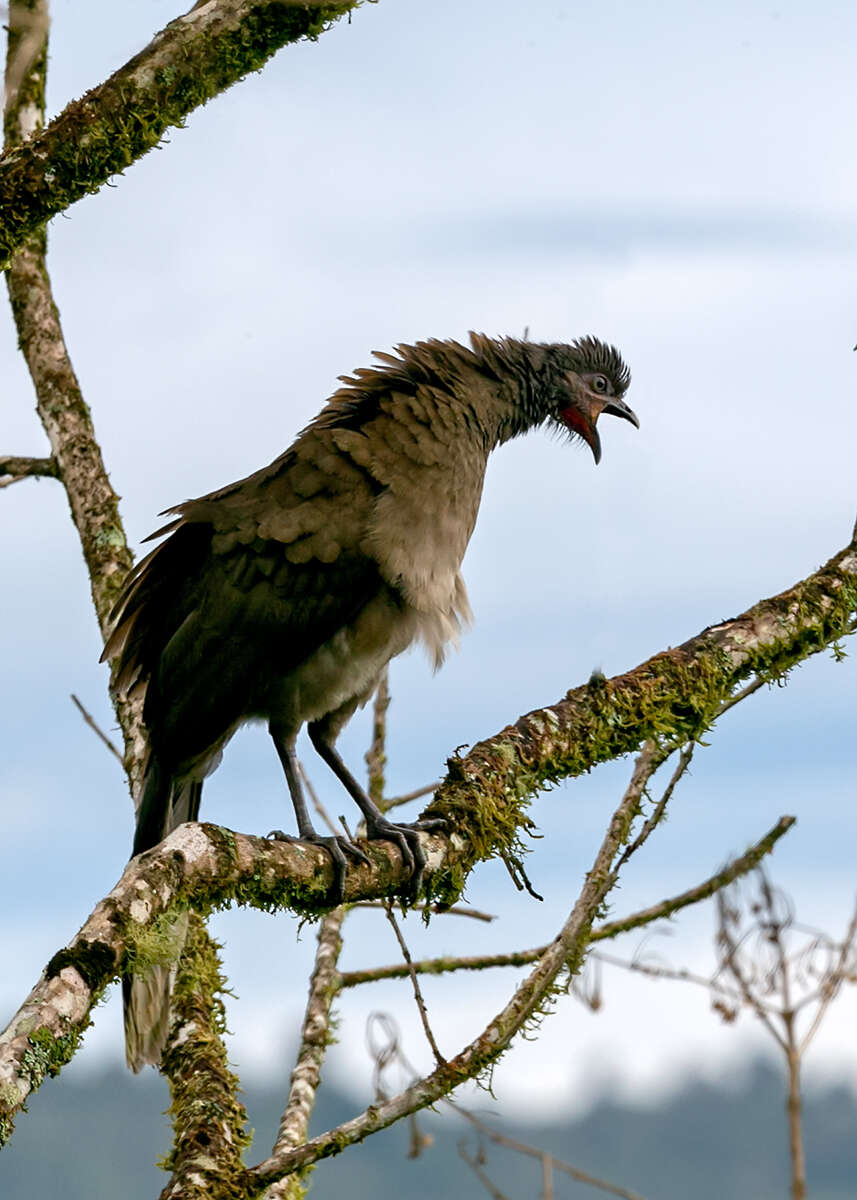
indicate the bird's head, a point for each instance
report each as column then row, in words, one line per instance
column 588, row 378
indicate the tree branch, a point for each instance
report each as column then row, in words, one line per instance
column 191, row 60
column 566, row 952
column 483, row 799
column 208, row 1118
column 610, row 929
column 672, row 697
column 315, row 1038
column 76, row 456
column 16, row 467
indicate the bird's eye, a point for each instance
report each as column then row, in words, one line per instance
column 599, row 384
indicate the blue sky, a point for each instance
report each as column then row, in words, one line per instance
column 675, row 178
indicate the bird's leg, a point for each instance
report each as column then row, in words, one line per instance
column 336, row 844
column 405, row 836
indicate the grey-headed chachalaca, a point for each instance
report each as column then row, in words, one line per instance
column 284, row 596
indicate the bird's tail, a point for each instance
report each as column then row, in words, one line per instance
column 165, row 804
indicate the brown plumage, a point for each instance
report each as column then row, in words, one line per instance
column 284, row 596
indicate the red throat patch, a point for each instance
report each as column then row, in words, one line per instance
column 574, row 419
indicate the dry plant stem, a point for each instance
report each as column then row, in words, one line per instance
column 59, row 402
column 14, row 469
column 566, row 952
column 794, row 1109
column 418, row 995
column 831, row 983
column 195, row 57
column 483, row 1177
column 787, row 1039
column 501, row 1139
column 315, row 1038
column 209, row 1119
column 521, row 958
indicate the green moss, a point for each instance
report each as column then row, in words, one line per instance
column 95, row 962
column 47, row 1054
column 156, row 944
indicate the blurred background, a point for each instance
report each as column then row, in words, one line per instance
column 678, row 179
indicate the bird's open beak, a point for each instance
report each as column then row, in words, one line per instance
column 618, row 408
column 615, row 408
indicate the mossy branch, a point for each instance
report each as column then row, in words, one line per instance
column 208, row 1117
column 193, row 59
column 673, row 697
column 676, row 693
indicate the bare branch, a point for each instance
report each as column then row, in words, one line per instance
column 314, row 800
column 566, row 952
column 418, row 996
column 416, row 794
column 492, row 1190
column 93, row 725
column 832, row 981
column 15, row 468
column 59, row 402
column 658, row 811
column 315, row 1037
column 501, row 1139
column 521, row 958
column 376, row 755
column 28, row 32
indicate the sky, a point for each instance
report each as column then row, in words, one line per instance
column 677, row 179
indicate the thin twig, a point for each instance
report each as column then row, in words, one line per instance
column 658, row 811
column 314, row 800
column 457, row 910
column 96, row 729
column 741, row 695
column 520, row 958
column 832, row 982
column 490, row 1187
column 501, row 1139
column 418, row 996
column 416, row 794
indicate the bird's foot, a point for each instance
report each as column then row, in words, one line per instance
column 406, row 837
column 338, row 846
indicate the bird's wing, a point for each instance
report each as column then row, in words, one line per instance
column 251, row 579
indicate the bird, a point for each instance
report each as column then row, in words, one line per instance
column 284, row 596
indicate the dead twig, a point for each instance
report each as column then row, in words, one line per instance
column 95, row 727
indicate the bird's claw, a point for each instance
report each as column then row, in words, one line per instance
column 406, row 837
column 338, row 846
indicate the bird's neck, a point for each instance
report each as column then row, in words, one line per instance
column 510, row 397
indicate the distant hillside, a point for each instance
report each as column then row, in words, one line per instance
column 99, row 1138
